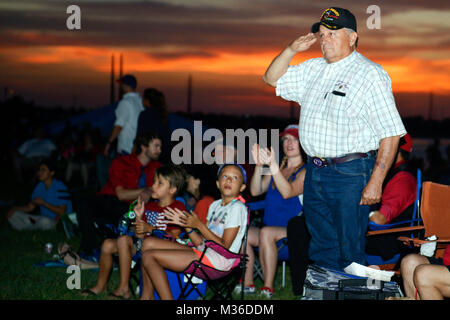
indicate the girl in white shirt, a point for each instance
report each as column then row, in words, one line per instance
column 227, row 220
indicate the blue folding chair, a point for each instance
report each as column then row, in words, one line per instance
column 283, row 251
column 414, row 221
column 176, row 281
column 181, row 290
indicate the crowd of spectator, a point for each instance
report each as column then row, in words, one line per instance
column 76, row 151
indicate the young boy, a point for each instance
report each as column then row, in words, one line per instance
column 49, row 195
column 227, row 220
column 169, row 181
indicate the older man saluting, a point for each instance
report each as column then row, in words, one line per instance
column 350, row 129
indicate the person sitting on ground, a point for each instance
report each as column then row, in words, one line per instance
column 397, row 202
column 227, row 220
column 283, row 187
column 426, row 278
column 50, row 196
column 169, row 180
column 129, row 176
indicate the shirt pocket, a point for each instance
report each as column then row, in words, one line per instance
column 336, row 106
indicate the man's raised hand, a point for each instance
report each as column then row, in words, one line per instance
column 303, row 43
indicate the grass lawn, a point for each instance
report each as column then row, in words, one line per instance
column 19, row 279
column 20, row 250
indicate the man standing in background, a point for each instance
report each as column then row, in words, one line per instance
column 127, row 113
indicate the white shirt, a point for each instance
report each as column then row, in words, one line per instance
column 232, row 215
column 37, row 148
column 354, row 118
column 127, row 114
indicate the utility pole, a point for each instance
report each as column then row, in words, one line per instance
column 112, row 90
column 120, row 76
column 430, row 107
column 189, row 95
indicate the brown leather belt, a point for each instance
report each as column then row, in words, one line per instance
column 320, row 162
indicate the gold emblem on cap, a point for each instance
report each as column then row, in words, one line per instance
column 326, row 13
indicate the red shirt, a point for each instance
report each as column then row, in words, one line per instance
column 446, row 256
column 202, row 207
column 399, row 194
column 155, row 207
column 125, row 172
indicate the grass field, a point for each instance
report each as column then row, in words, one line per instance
column 19, row 279
column 20, row 250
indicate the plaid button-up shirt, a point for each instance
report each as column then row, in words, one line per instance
column 346, row 106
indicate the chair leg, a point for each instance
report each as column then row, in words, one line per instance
column 185, row 290
column 284, row 274
column 134, row 278
column 258, row 269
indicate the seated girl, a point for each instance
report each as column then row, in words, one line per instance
column 227, row 220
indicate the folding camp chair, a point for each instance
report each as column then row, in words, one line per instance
column 283, row 256
column 135, row 283
column 136, row 275
column 187, row 287
column 283, row 252
column 435, row 212
column 174, row 279
column 414, row 221
column 220, row 282
column 68, row 220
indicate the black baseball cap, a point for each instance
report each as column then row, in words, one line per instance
column 335, row 18
column 128, row 80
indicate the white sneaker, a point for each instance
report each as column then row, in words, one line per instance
column 266, row 292
column 251, row 289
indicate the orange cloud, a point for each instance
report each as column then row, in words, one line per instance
column 407, row 74
column 416, row 75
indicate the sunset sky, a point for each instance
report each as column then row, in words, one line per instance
column 226, row 45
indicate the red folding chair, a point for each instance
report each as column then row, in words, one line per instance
column 221, row 282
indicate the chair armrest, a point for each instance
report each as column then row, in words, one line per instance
column 418, row 242
column 394, row 230
column 209, row 244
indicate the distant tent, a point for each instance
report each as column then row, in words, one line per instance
column 103, row 119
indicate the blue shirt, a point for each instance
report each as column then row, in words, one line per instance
column 54, row 195
column 278, row 211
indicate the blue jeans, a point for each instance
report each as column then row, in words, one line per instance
column 335, row 220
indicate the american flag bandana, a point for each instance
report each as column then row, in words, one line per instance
column 156, row 219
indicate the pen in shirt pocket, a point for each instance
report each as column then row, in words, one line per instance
column 337, row 93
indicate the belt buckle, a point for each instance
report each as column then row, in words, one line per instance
column 319, row 162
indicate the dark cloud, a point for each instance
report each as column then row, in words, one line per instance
column 167, row 31
column 252, row 26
